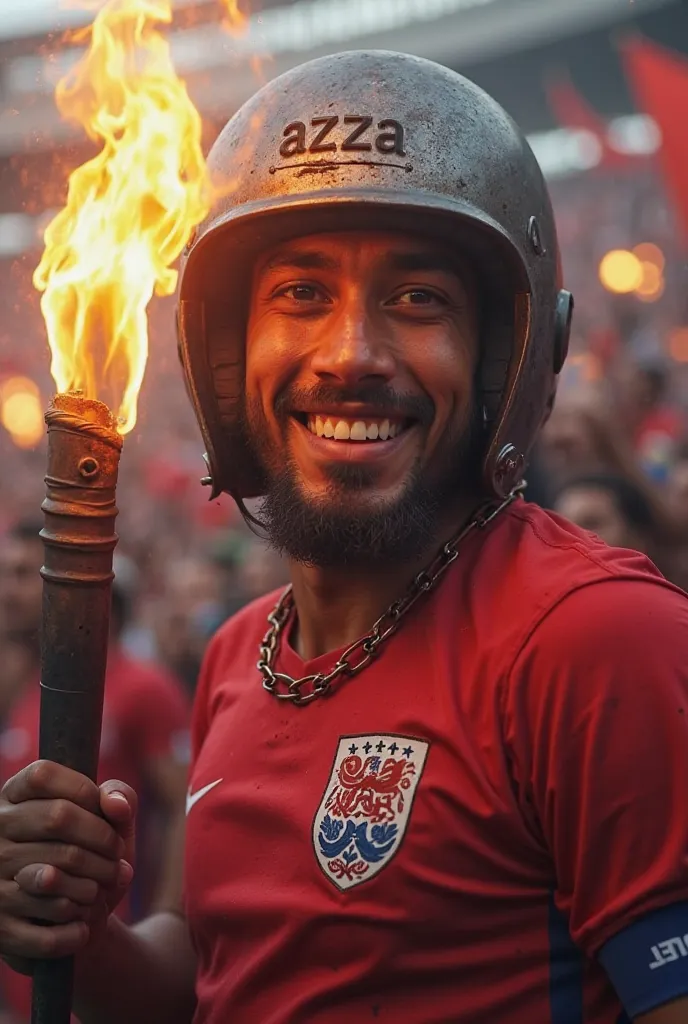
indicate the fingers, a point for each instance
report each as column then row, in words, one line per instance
column 45, row 780
column 20, row 938
column 61, row 821
column 42, row 880
column 46, row 880
column 53, row 909
column 67, row 858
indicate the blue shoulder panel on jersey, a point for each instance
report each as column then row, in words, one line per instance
column 647, row 962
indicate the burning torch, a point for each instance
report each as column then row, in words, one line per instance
column 128, row 215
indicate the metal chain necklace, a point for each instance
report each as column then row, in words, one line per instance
column 361, row 652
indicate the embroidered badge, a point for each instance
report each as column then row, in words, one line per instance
column 365, row 809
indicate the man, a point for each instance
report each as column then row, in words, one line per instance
column 144, row 737
column 609, row 506
column 449, row 782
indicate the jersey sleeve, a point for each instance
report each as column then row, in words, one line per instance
column 596, row 716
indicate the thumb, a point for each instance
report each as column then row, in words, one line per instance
column 119, row 804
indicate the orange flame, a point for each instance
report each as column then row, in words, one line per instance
column 129, row 211
column 235, row 20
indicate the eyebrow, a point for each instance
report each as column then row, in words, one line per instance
column 424, row 262
column 301, row 260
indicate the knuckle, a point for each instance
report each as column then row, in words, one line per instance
column 38, row 776
column 7, row 934
column 73, row 858
column 58, row 817
column 64, row 910
column 90, row 891
column 47, row 942
column 7, row 859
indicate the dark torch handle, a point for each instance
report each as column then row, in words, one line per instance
column 79, row 540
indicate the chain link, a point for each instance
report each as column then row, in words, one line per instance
column 360, row 653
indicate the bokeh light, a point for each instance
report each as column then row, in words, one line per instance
column 651, row 287
column 21, row 411
column 621, row 272
column 678, row 344
column 648, row 252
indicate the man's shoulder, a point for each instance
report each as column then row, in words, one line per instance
column 550, row 556
column 537, row 568
column 580, row 595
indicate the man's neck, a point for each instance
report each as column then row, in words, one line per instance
column 335, row 607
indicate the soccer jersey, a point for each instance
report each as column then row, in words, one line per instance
column 487, row 825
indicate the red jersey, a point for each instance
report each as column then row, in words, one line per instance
column 145, row 716
column 488, row 825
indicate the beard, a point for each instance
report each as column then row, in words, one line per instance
column 337, row 531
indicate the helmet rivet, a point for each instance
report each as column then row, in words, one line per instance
column 535, row 237
column 509, row 462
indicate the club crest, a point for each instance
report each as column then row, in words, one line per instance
column 365, row 808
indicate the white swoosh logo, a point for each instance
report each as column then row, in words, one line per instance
column 193, row 798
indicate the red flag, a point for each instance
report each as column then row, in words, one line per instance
column 659, row 79
column 572, row 110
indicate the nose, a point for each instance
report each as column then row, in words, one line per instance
column 353, row 347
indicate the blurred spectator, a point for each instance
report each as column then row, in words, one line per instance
column 675, row 557
column 189, row 610
column 650, row 419
column 261, row 570
column 144, row 739
column 609, row 506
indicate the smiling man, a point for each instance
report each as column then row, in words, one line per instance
column 443, row 777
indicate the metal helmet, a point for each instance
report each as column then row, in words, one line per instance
column 373, row 139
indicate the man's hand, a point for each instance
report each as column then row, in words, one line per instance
column 66, row 854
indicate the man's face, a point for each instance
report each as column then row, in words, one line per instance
column 21, row 586
column 594, row 508
column 361, row 352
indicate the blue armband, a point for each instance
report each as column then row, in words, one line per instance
column 647, row 962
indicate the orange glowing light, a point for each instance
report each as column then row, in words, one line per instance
column 651, row 287
column 621, row 272
column 648, row 252
column 21, row 411
column 129, row 211
column 235, row 20
column 678, row 344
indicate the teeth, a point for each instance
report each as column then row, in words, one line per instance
column 358, row 430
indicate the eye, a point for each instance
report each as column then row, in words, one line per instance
column 303, row 293
column 417, row 297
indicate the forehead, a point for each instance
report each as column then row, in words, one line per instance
column 341, row 250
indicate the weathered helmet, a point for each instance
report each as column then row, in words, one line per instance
column 372, row 139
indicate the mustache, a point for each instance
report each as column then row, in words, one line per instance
column 381, row 396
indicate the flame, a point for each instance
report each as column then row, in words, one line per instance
column 130, row 209
column 235, row 19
